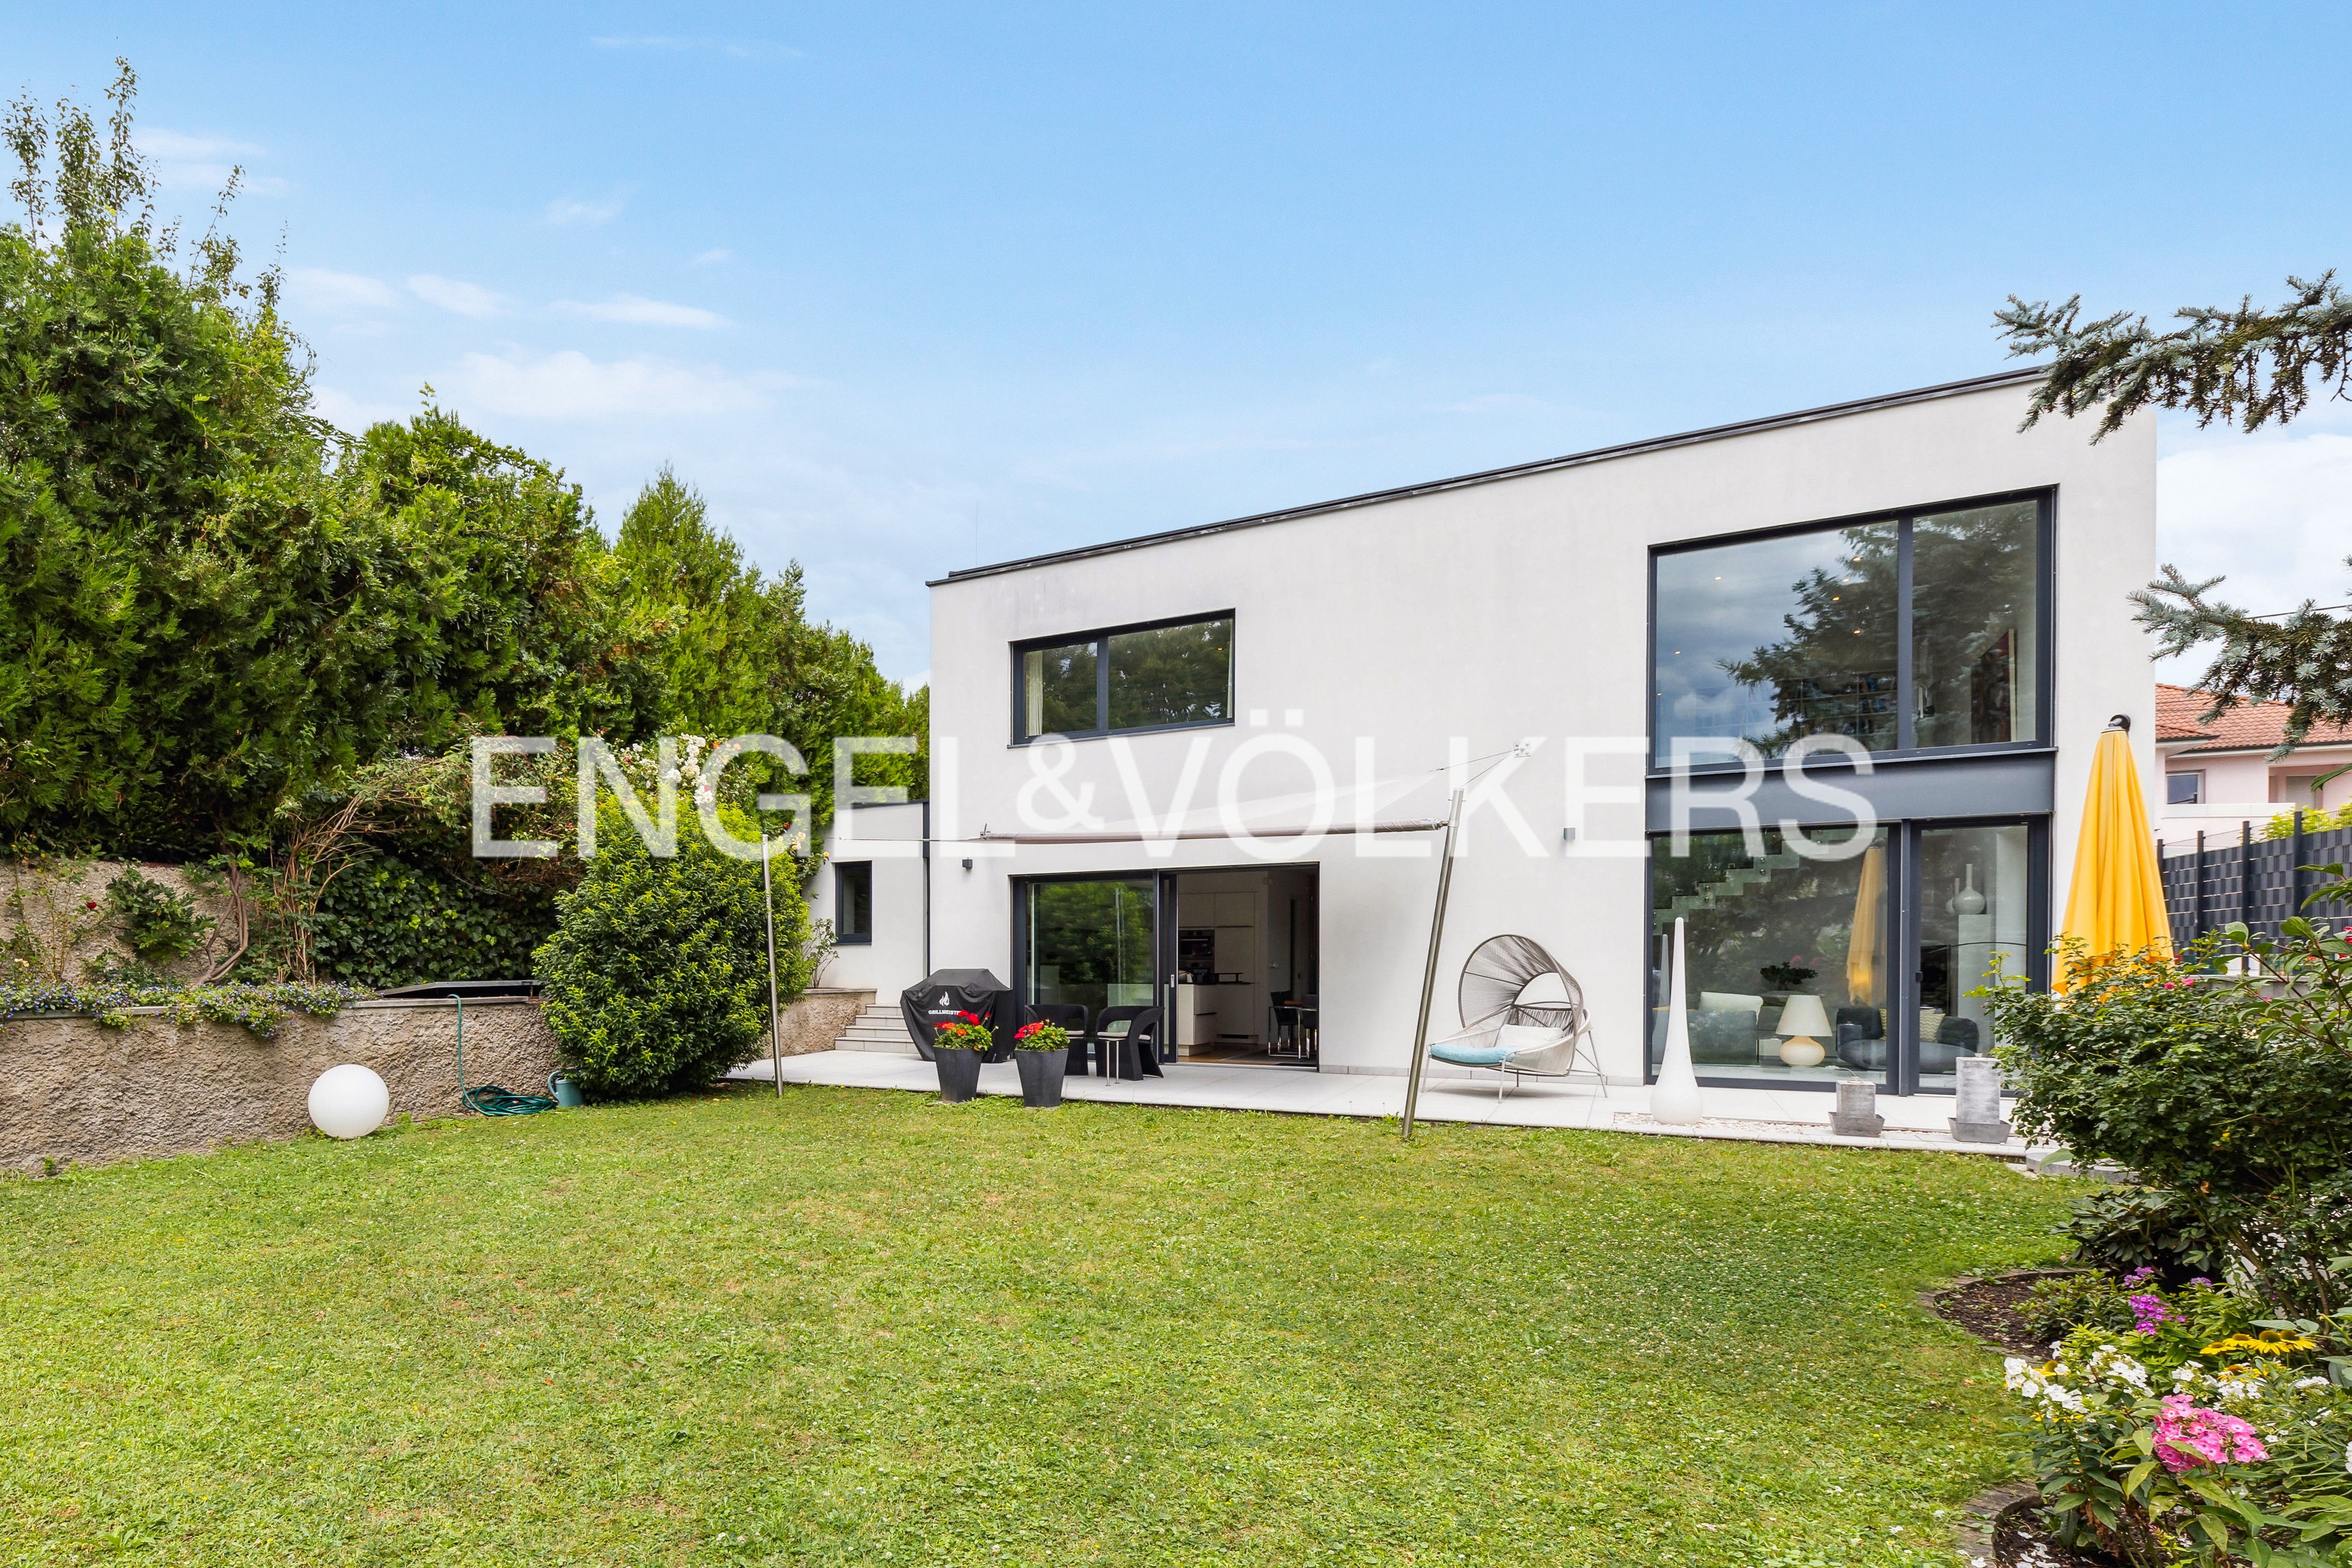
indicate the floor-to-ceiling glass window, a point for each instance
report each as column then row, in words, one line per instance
column 1974, row 930
column 1789, row 976
column 1090, row 942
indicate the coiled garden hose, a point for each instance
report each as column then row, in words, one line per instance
column 491, row 1100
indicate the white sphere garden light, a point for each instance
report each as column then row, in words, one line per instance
column 349, row 1101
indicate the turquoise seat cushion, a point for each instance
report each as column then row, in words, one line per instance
column 1470, row 1055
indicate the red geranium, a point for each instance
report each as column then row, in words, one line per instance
column 965, row 1031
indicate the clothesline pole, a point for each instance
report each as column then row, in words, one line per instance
column 775, row 1022
column 1429, row 971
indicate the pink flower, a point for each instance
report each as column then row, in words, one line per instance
column 2188, row 1436
column 2150, row 1309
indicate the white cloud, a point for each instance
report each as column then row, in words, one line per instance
column 2271, row 513
column 462, row 298
column 635, row 310
column 566, row 212
column 325, row 290
column 345, row 412
column 713, row 257
column 160, row 143
column 570, row 385
column 184, row 163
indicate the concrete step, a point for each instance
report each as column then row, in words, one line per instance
column 890, row 1037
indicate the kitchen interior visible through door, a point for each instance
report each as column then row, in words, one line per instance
column 1245, row 966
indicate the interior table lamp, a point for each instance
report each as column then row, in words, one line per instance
column 1803, row 1027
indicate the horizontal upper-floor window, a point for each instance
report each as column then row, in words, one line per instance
column 1167, row 676
column 1910, row 632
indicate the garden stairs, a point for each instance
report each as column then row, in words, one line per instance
column 878, row 1028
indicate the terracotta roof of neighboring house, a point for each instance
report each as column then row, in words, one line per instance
column 2250, row 726
column 2177, row 708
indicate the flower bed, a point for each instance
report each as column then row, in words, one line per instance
column 2177, row 1426
column 260, row 1008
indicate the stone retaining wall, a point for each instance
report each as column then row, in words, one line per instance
column 74, row 1091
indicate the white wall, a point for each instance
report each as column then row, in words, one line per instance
column 1493, row 612
column 890, row 837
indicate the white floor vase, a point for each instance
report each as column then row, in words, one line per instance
column 1674, row 1098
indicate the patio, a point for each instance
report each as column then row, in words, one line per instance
column 1749, row 1115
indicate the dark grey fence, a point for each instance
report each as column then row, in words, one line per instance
column 2244, row 877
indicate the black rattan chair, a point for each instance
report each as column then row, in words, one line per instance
column 1131, row 1052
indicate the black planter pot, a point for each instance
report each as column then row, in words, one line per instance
column 1041, row 1076
column 959, row 1074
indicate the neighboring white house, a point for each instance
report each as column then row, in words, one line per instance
column 2221, row 776
column 1913, row 571
column 872, row 887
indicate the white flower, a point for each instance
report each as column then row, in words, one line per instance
column 2310, row 1383
column 2109, row 1362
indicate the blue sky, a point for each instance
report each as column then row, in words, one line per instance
column 902, row 287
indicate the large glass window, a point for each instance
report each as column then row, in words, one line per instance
column 1771, row 640
column 1976, row 588
column 1774, row 639
column 1153, row 677
column 1789, row 975
column 1090, row 942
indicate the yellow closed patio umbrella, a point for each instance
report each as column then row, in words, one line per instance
column 2114, row 907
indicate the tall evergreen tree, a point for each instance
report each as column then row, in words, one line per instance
column 738, row 654
column 180, row 635
column 2247, row 366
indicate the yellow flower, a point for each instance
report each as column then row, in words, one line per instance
column 2271, row 1342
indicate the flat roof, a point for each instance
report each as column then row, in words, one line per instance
column 1519, row 470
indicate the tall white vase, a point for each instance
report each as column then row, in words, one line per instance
column 1673, row 1098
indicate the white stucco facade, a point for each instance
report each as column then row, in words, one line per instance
column 888, row 839
column 1460, row 620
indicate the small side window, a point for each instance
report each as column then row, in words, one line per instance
column 853, row 901
column 2184, row 788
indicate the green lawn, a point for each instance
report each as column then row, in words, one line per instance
column 863, row 1327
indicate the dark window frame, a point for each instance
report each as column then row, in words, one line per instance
column 841, row 870
column 1100, row 637
column 2045, row 618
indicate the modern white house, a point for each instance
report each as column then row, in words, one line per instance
column 1886, row 633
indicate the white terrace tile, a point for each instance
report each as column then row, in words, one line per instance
column 1760, row 1115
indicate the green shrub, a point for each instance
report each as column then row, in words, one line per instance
column 386, row 922
column 2125, row 1228
column 656, row 977
column 2232, row 1093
